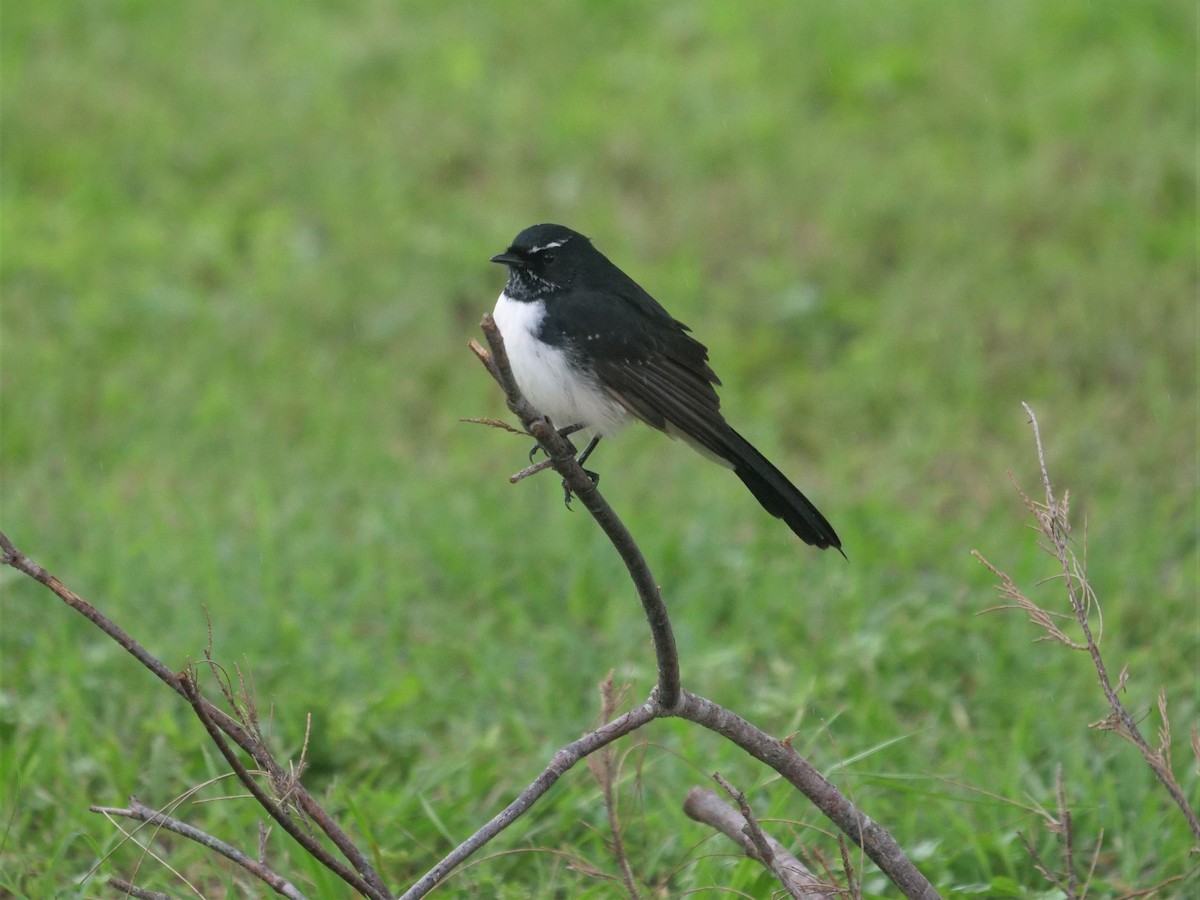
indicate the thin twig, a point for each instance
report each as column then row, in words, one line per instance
column 1055, row 526
column 1059, row 823
column 493, row 423
column 853, row 886
column 1156, row 890
column 531, row 470
column 1053, row 522
column 172, row 805
column 706, row 806
column 766, row 850
column 129, row 889
column 139, row 812
column 1067, row 833
column 603, row 766
column 751, row 828
column 1040, row 864
column 266, row 801
column 874, row 839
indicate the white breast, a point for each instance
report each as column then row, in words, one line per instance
column 546, row 377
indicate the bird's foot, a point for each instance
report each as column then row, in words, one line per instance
column 562, row 433
column 568, row 494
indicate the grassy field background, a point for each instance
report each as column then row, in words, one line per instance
column 244, row 247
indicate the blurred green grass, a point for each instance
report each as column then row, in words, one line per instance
column 243, row 248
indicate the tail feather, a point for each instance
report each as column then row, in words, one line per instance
column 777, row 495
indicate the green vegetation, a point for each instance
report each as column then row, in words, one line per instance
column 244, row 246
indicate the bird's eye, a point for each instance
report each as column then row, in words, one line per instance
column 547, row 258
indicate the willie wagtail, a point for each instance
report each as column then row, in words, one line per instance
column 592, row 350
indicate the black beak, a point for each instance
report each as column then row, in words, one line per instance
column 509, row 258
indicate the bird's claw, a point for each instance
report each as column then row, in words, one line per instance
column 562, row 433
column 568, row 494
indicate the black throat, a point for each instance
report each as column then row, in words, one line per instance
column 526, row 286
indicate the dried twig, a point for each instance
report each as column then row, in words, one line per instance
column 603, row 766
column 1054, row 525
column 853, row 885
column 139, row 812
column 1066, row 833
column 275, row 809
column 493, row 423
column 706, row 806
column 873, row 838
column 768, row 851
column 762, row 849
column 1060, row 824
column 129, row 889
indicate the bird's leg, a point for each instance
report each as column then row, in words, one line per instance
column 581, row 459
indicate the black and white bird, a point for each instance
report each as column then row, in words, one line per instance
column 592, row 350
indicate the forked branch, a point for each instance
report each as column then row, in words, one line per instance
column 669, row 699
column 363, row 875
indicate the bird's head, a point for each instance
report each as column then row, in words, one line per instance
column 543, row 259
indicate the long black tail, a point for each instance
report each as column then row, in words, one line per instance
column 777, row 495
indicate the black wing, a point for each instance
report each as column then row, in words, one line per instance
column 647, row 361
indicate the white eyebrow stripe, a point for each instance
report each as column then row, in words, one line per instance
column 549, row 246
